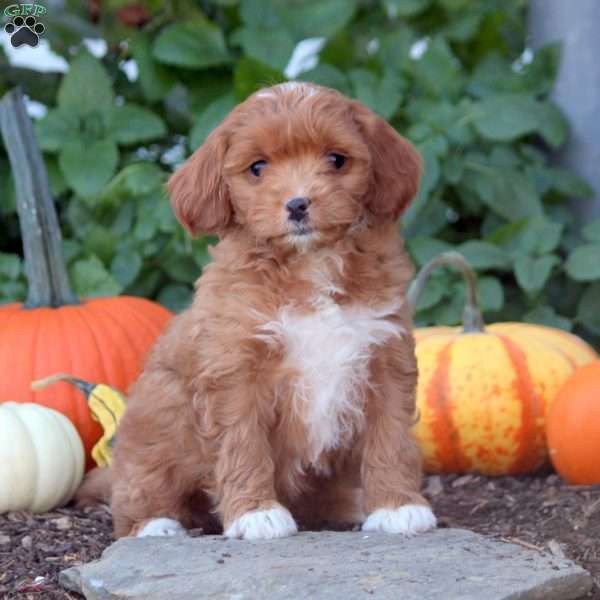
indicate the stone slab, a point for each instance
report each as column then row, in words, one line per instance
column 448, row 564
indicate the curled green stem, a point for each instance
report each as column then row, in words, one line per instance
column 472, row 318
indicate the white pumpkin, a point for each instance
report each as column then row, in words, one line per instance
column 41, row 458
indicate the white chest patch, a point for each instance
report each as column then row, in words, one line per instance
column 330, row 348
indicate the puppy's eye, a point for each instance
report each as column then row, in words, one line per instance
column 337, row 160
column 257, row 167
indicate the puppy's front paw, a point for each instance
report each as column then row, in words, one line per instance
column 161, row 527
column 276, row 522
column 407, row 520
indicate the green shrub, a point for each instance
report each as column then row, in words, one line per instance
column 452, row 75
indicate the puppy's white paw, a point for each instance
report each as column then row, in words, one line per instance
column 407, row 520
column 276, row 522
column 161, row 527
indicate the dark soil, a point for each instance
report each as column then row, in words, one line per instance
column 539, row 512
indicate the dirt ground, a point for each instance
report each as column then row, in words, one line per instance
column 539, row 512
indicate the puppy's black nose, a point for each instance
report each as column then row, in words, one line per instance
column 297, row 208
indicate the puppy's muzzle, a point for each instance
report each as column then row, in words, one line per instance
column 297, row 209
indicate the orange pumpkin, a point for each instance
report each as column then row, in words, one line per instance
column 574, row 427
column 484, row 391
column 101, row 340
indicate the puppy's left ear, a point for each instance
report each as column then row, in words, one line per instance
column 396, row 165
column 199, row 194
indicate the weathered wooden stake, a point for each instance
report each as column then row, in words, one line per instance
column 44, row 263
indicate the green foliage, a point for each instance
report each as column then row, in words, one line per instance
column 449, row 74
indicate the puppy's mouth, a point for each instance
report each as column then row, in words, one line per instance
column 301, row 236
column 300, row 230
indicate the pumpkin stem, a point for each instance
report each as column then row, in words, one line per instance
column 472, row 319
column 84, row 386
column 42, row 245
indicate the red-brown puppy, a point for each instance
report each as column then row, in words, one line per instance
column 286, row 392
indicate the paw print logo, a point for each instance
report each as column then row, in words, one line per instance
column 24, row 31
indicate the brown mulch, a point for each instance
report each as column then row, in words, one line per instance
column 35, row 548
column 539, row 512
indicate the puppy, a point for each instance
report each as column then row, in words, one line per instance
column 285, row 394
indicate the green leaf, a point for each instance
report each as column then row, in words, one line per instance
column 145, row 226
column 260, row 13
column 100, row 241
column 88, row 168
column 395, row 46
column 136, row 179
column 454, row 120
column 583, row 263
column 209, row 119
column 591, row 232
column 56, row 128
column 431, row 218
column 422, row 201
column 508, row 192
column 588, row 311
column 131, row 124
column 197, row 44
column 329, row 76
column 552, row 125
column 530, row 236
column 405, row 8
column 272, row 47
column 423, row 249
column 250, row 75
column 450, row 312
column 453, row 169
column 381, row 95
column 433, row 292
column 12, row 291
column 207, row 87
column 570, row 184
column 176, row 297
column 482, row 255
column 91, row 280
column 123, row 221
column 532, row 273
column 437, row 143
column 58, row 185
column 71, row 250
column 546, row 315
column 490, row 294
column 539, row 75
column 504, row 117
column 438, row 71
column 147, row 284
column 86, row 87
column 541, row 236
column 10, row 265
column 155, row 79
column 455, row 5
column 463, row 28
column 315, row 18
column 125, row 267
column 182, row 268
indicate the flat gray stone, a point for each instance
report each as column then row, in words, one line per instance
column 448, row 564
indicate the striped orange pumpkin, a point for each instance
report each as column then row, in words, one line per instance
column 484, row 392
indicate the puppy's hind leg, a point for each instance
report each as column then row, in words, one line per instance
column 155, row 469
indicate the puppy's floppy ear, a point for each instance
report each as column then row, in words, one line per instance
column 396, row 165
column 199, row 195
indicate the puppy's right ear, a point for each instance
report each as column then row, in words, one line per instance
column 199, row 195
